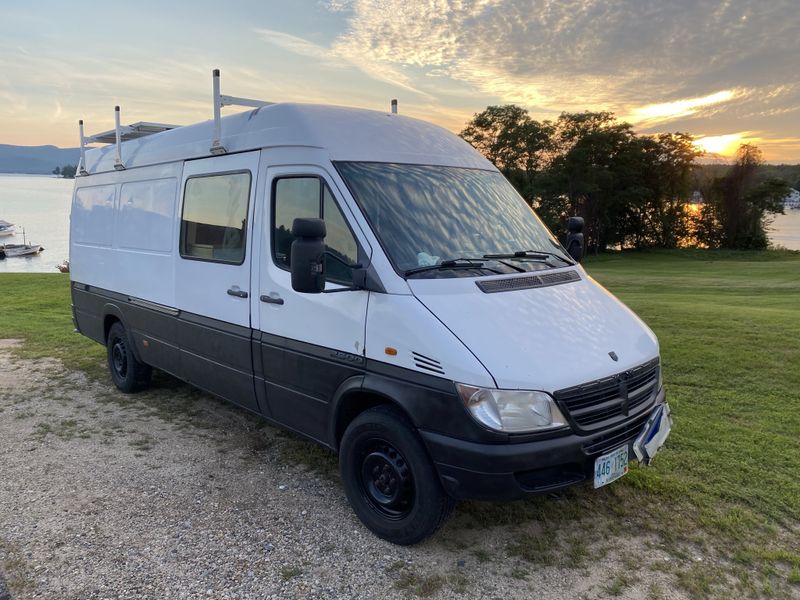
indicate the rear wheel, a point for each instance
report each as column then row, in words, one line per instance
column 390, row 479
column 128, row 373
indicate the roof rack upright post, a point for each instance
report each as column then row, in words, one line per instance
column 394, row 106
column 82, row 164
column 216, row 145
column 118, row 130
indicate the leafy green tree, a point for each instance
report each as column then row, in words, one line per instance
column 516, row 144
column 739, row 204
column 632, row 190
column 68, row 171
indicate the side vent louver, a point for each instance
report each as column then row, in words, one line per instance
column 427, row 364
column 529, row 281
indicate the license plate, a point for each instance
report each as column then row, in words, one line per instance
column 610, row 467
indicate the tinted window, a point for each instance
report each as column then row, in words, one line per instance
column 310, row 197
column 214, row 220
column 295, row 197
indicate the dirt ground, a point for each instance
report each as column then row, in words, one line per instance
column 172, row 493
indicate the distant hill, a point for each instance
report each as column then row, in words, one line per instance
column 35, row 159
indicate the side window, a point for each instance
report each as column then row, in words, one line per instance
column 310, row 197
column 295, row 198
column 339, row 240
column 214, row 219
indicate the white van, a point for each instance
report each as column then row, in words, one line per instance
column 372, row 282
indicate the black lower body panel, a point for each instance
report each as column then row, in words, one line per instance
column 210, row 354
column 513, row 471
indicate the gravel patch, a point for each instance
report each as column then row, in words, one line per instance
column 173, row 494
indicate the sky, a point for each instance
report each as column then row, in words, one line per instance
column 725, row 71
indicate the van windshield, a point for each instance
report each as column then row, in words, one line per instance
column 425, row 216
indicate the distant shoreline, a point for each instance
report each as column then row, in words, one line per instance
column 50, row 175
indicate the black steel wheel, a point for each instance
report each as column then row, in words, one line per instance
column 389, row 478
column 386, row 480
column 128, row 373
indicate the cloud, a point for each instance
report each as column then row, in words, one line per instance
column 295, row 44
column 334, row 58
column 656, row 61
column 685, row 107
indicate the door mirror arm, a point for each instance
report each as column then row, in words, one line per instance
column 344, row 262
column 359, row 277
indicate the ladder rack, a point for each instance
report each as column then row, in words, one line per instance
column 120, row 133
column 220, row 101
column 123, row 133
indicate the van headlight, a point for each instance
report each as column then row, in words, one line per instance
column 511, row 411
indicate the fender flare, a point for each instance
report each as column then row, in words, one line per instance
column 110, row 309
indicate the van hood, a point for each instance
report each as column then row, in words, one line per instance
column 545, row 338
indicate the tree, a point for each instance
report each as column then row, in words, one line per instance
column 739, row 203
column 592, row 172
column 516, row 144
column 68, row 171
column 632, row 190
column 57, row 171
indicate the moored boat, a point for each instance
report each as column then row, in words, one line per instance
column 23, row 249
column 12, row 250
column 6, row 228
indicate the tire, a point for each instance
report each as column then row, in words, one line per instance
column 127, row 373
column 389, row 478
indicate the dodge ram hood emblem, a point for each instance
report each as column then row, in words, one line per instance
column 613, row 356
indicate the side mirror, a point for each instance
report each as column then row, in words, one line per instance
column 307, row 256
column 575, row 238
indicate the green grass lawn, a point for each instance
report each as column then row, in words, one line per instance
column 729, row 328
column 726, row 486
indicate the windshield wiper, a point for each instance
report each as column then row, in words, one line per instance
column 542, row 255
column 453, row 263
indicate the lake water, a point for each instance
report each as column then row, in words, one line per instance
column 40, row 204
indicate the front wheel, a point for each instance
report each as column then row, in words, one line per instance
column 390, row 479
column 128, row 373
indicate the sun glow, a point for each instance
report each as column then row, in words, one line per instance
column 724, row 145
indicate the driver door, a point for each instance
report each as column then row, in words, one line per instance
column 310, row 343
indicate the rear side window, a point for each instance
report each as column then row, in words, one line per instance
column 214, row 219
column 311, row 198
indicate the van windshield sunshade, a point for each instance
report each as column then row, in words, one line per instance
column 528, row 281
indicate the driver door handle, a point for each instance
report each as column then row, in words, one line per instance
column 271, row 299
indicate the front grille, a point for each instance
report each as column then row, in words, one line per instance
column 612, row 399
column 616, row 437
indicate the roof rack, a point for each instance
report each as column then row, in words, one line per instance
column 220, row 101
column 122, row 133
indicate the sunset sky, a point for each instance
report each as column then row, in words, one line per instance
column 724, row 71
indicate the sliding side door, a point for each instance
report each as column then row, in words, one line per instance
column 213, row 275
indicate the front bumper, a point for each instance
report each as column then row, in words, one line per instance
column 514, row 470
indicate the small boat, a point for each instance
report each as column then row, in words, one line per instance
column 23, row 249
column 6, row 228
column 12, row 250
